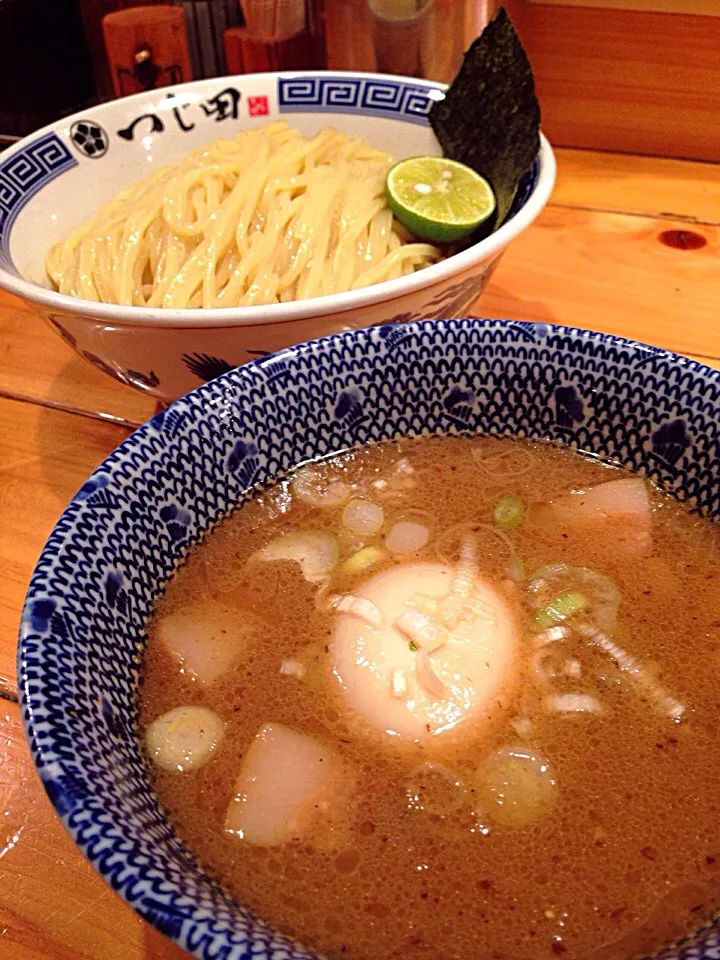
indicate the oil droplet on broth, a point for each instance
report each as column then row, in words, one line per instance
column 515, row 788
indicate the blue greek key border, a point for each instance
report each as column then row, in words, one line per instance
column 363, row 95
column 22, row 175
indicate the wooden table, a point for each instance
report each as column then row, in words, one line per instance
column 595, row 258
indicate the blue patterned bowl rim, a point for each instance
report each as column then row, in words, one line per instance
column 175, row 477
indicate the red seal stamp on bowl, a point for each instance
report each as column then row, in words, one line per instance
column 258, row 106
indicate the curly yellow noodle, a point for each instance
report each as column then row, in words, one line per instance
column 270, row 216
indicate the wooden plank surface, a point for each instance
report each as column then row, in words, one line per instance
column 610, row 272
column 593, row 259
column 625, row 183
column 634, row 81
column 53, row 906
column 709, row 8
column 36, row 363
column 44, row 457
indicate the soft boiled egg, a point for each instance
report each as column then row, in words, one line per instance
column 413, row 671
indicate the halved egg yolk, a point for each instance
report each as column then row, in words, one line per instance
column 421, row 694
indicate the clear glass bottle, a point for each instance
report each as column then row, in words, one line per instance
column 417, row 38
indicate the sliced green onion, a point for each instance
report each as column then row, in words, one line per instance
column 508, row 511
column 564, row 606
column 602, row 594
column 316, row 551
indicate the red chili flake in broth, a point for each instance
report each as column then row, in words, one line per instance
column 558, row 949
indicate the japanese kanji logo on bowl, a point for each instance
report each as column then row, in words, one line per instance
column 184, row 111
column 258, row 106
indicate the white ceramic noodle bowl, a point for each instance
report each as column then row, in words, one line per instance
column 56, row 178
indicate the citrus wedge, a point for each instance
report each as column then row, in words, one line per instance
column 438, row 199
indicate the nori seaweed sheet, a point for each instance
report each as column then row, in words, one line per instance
column 490, row 117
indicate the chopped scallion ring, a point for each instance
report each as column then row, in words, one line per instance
column 564, row 606
column 508, row 512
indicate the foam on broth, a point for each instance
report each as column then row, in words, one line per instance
column 629, row 855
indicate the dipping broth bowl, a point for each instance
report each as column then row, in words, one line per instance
column 132, row 522
column 55, row 179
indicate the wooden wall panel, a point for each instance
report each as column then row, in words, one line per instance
column 626, row 80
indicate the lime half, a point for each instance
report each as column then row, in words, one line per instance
column 438, row 199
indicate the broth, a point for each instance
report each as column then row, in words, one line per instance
column 613, row 851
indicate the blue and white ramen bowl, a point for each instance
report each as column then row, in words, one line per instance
column 55, row 179
column 132, row 522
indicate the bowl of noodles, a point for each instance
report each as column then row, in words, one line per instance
column 447, row 617
column 175, row 234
